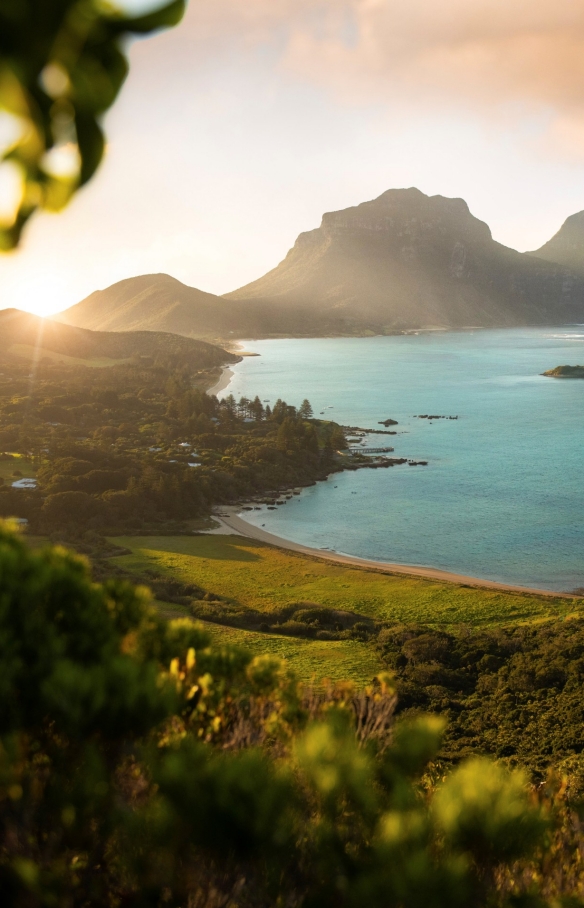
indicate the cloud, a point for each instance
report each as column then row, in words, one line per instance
column 490, row 55
column 485, row 51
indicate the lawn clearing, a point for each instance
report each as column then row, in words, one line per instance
column 15, row 463
column 263, row 577
column 337, row 660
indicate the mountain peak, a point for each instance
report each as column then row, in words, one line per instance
column 404, row 260
column 409, row 260
column 406, row 213
column 566, row 247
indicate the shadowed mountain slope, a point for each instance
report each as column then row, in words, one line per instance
column 22, row 333
column 407, row 260
column 567, row 246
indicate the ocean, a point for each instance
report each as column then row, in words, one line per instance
column 502, row 497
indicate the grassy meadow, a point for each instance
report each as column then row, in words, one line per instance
column 338, row 660
column 259, row 576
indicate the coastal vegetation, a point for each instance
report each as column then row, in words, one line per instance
column 255, row 580
column 127, row 463
column 504, row 668
column 126, row 457
column 565, row 372
column 141, row 764
column 140, row 446
column 249, row 683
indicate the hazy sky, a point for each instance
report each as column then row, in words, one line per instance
column 238, row 129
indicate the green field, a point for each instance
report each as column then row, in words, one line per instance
column 9, row 465
column 337, row 660
column 260, row 576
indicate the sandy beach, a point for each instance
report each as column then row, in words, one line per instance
column 226, row 376
column 233, row 524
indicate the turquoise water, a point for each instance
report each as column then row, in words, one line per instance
column 503, row 495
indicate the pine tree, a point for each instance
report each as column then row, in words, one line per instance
column 305, row 411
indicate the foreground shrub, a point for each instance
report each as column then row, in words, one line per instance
column 141, row 765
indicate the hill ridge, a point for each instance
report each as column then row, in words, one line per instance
column 566, row 247
column 23, row 329
column 401, row 261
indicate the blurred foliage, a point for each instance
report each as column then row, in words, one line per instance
column 141, row 766
column 62, row 65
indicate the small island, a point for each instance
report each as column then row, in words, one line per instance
column 565, row 372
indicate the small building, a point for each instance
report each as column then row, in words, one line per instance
column 25, row 484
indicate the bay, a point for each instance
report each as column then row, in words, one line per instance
column 502, row 497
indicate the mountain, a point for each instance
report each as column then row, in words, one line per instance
column 151, row 302
column 158, row 302
column 402, row 261
column 408, row 260
column 567, row 246
column 28, row 335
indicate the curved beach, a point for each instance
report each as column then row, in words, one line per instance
column 223, row 381
column 230, row 519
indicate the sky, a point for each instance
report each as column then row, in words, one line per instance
column 238, row 129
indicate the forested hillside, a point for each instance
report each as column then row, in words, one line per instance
column 28, row 336
column 138, row 445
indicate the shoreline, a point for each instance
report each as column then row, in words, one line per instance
column 223, row 381
column 236, row 525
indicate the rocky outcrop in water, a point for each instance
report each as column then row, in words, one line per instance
column 565, row 372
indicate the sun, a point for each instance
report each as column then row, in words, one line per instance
column 43, row 292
